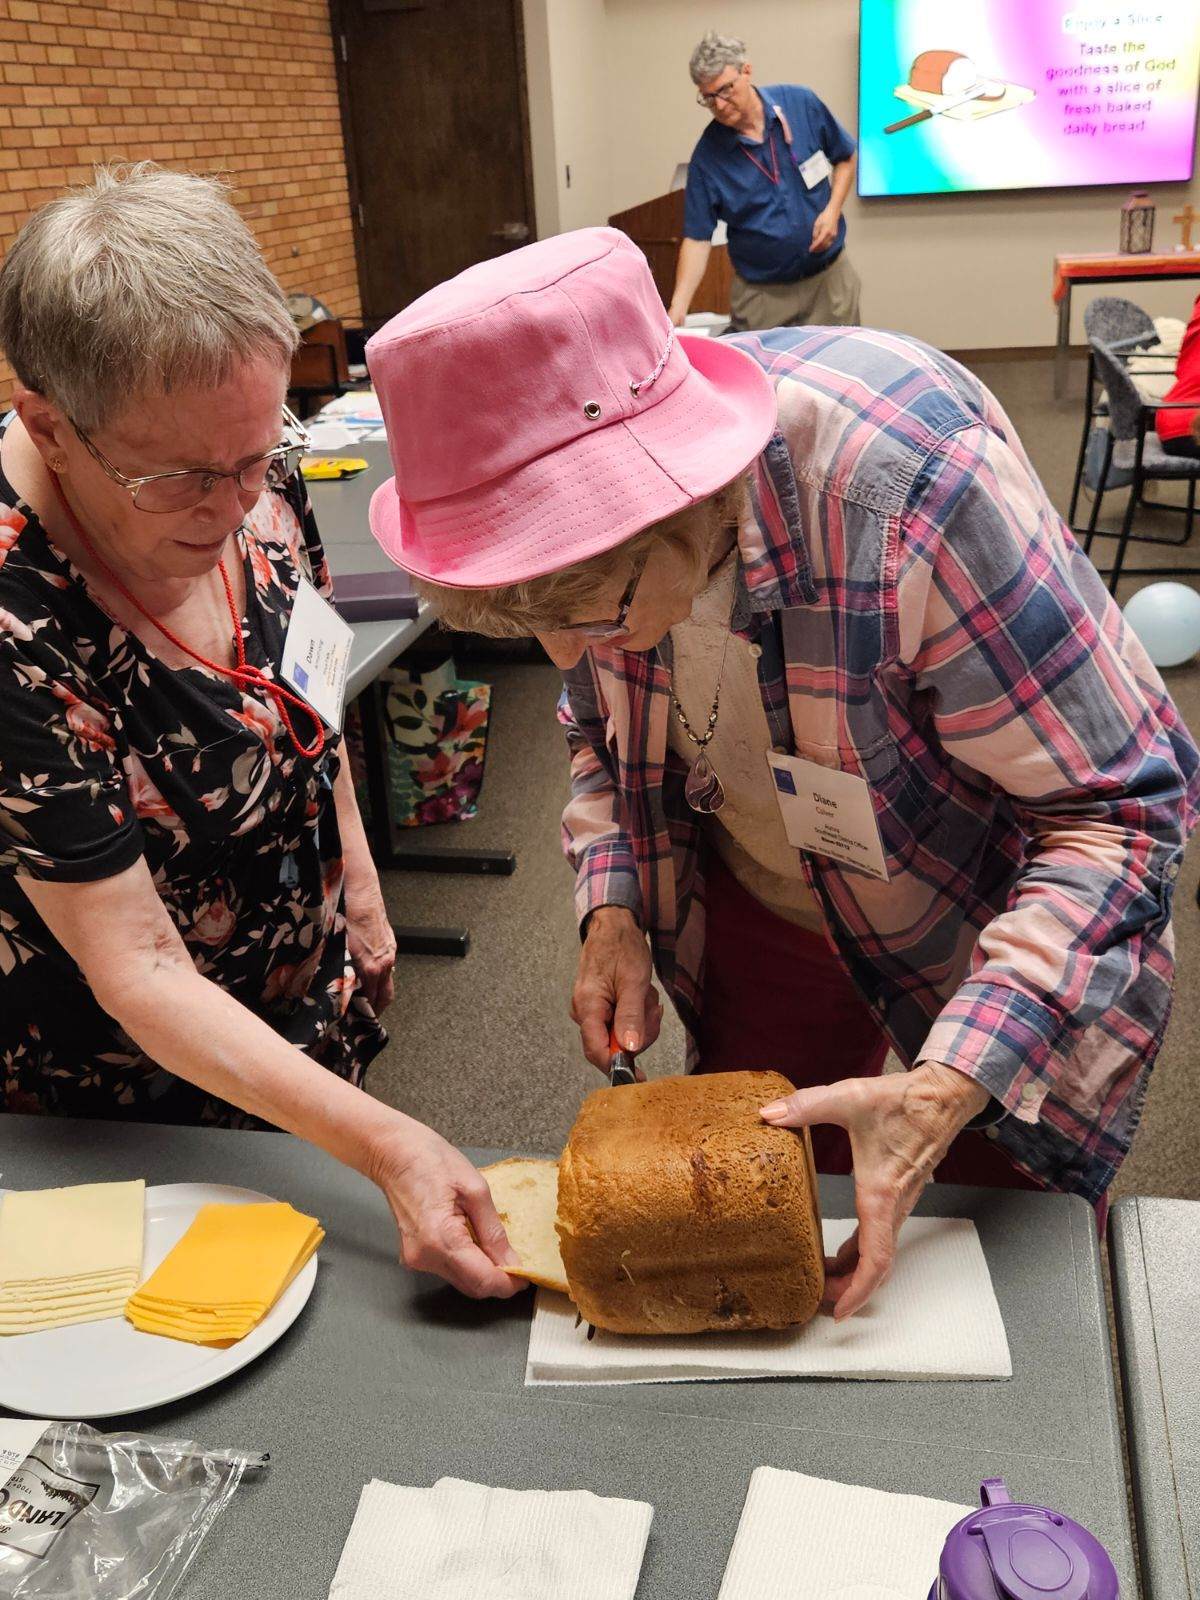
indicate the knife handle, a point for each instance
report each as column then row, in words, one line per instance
column 621, row 1068
column 908, row 122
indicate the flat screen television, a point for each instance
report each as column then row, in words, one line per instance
column 1025, row 94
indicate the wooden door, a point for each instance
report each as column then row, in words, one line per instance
column 435, row 115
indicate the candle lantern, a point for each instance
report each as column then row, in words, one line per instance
column 1137, row 224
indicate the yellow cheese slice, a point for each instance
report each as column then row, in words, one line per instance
column 218, row 1338
column 226, row 1272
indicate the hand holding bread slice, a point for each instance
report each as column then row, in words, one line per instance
column 675, row 1209
column 525, row 1193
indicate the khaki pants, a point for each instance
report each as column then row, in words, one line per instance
column 829, row 299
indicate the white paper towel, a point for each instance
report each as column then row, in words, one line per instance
column 935, row 1317
column 459, row 1540
column 806, row 1539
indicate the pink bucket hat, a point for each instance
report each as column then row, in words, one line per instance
column 540, row 408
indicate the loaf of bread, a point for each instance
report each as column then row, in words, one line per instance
column 681, row 1211
column 929, row 70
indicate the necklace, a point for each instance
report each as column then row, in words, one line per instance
column 244, row 676
column 703, row 790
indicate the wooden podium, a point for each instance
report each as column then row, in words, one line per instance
column 657, row 229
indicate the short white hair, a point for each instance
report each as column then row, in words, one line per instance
column 146, row 281
column 713, row 54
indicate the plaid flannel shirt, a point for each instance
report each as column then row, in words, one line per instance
column 927, row 622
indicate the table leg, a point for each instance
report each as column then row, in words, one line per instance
column 432, row 941
column 1062, row 348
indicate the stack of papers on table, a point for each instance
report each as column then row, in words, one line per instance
column 69, row 1255
column 460, row 1541
column 807, row 1539
column 357, row 416
column 226, row 1273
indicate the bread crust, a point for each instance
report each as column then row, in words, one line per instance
column 681, row 1211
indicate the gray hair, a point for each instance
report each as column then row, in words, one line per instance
column 713, row 54
column 146, row 281
column 516, row 610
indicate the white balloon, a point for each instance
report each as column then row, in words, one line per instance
column 1166, row 618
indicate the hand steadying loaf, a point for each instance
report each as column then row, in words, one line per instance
column 900, row 1126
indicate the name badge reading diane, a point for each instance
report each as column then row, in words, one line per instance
column 816, row 169
column 828, row 813
column 316, row 654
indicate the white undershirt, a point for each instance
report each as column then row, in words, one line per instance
column 747, row 833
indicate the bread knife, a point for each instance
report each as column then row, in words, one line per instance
column 621, row 1068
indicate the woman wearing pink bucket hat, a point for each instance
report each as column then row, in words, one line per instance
column 862, row 752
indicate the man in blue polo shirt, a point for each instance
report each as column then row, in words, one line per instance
column 776, row 166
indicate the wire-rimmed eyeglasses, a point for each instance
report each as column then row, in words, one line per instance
column 162, row 492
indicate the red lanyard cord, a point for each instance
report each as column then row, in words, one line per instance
column 773, row 175
column 245, row 677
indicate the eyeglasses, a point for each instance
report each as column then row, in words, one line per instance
column 160, row 492
column 724, row 93
column 604, row 632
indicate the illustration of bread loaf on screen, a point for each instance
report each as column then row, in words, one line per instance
column 948, row 83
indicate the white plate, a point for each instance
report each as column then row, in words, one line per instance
column 106, row 1369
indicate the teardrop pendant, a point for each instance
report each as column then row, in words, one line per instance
column 703, row 791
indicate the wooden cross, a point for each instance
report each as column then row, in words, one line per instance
column 1187, row 218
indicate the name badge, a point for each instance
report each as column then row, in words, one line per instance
column 316, row 654
column 828, row 813
column 816, row 169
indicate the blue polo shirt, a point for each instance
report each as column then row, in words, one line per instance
column 769, row 224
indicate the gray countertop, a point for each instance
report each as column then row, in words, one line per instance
column 395, row 1376
column 1155, row 1247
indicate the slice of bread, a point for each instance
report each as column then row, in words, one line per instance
column 526, row 1196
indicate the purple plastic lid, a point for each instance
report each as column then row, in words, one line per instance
column 1016, row 1552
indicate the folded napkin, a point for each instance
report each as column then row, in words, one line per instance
column 226, row 1273
column 935, row 1317
column 69, row 1255
column 806, row 1539
column 460, row 1541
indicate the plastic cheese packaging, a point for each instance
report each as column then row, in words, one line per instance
column 94, row 1516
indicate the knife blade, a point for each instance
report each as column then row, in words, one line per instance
column 622, row 1068
column 977, row 91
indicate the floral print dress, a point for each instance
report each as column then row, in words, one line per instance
column 107, row 755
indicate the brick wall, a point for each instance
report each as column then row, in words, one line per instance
column 240, row 88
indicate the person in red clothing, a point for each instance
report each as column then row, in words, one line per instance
column 1180, row 430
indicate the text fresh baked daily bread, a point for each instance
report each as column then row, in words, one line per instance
column 681, row 1211
column 526, row 1196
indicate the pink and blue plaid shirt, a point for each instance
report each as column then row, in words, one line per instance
column 928, row 623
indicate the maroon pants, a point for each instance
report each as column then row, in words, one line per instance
column 775, row 997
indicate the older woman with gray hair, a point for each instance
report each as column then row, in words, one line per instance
column 191, row 926
column 862, row 752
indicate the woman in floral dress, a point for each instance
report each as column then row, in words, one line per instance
column 191, row 926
